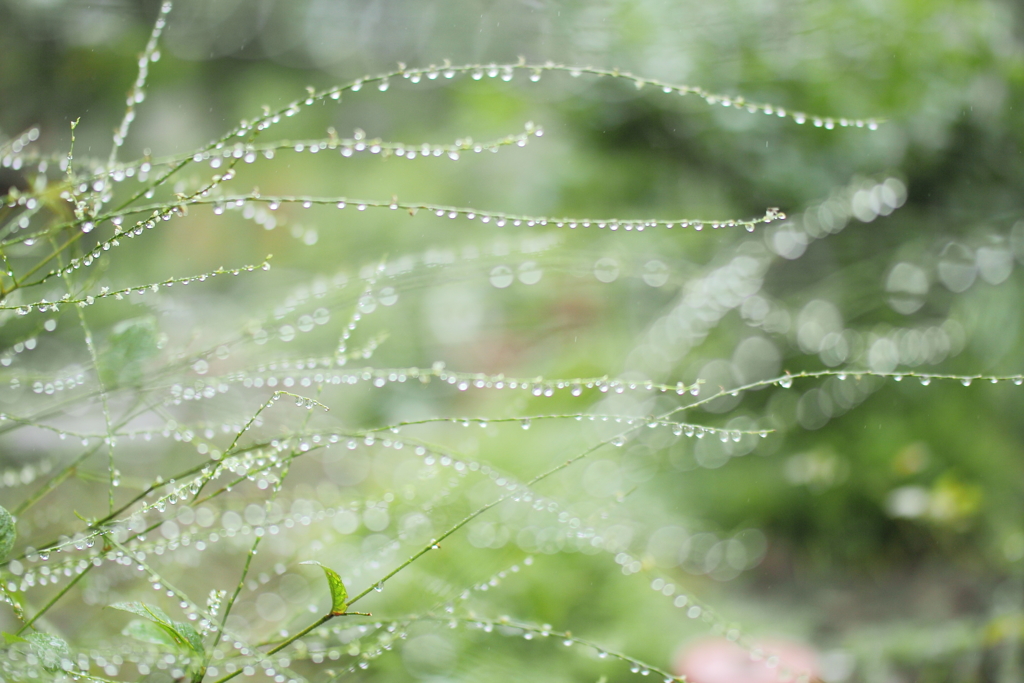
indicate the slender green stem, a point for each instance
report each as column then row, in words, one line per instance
column 53, row 601
column 268, row 504
column 433, row 545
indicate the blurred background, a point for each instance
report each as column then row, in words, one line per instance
column 880, row 525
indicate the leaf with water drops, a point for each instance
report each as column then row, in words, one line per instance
column 193, row 641
column 176, row 633
column 50, row 650
column 339, row 594
column 8, row 533
column 130, row 345
column 149, row 632
column 143, row 610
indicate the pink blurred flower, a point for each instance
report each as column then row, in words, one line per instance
column 717, row 660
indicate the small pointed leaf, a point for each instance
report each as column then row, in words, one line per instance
column 339, row 594
column 8, row 533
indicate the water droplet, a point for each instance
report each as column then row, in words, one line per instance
column 501, row 276
column 530, row 273
column 525, row 424
column 655, row 273
column 786, row 382
column 606, row 269
column 966, row 381
column 379, row 586
column 367, row 303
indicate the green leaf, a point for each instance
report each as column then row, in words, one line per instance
column 149, row 632
column 50, row 650
column 130, row 345
column 339, row 594
column 160, row 630
column 8, row 533
column 193, row 641
column 145, row 611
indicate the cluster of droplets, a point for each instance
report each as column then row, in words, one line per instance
column 221, row 150
column 509, row 627
column 136, row 229
column 736, row 285
column 924, row 378
column 347, row 147
column 61, row 432
column 13, row 148
column 104, row 292
column 380, row 377
column 493, row 581
column 499, row 219
column 350, row 642
column 198, row 391
column 863, row 200
column 137, row 94
column 12, row 477
column 195, row 529
column 654, row 272
column 124, row 541
column 252, row 465
column 247, row 154
column 366, row 305
column 506, row 73
column 28, row 344
column 725, row 435
column 386, row 634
